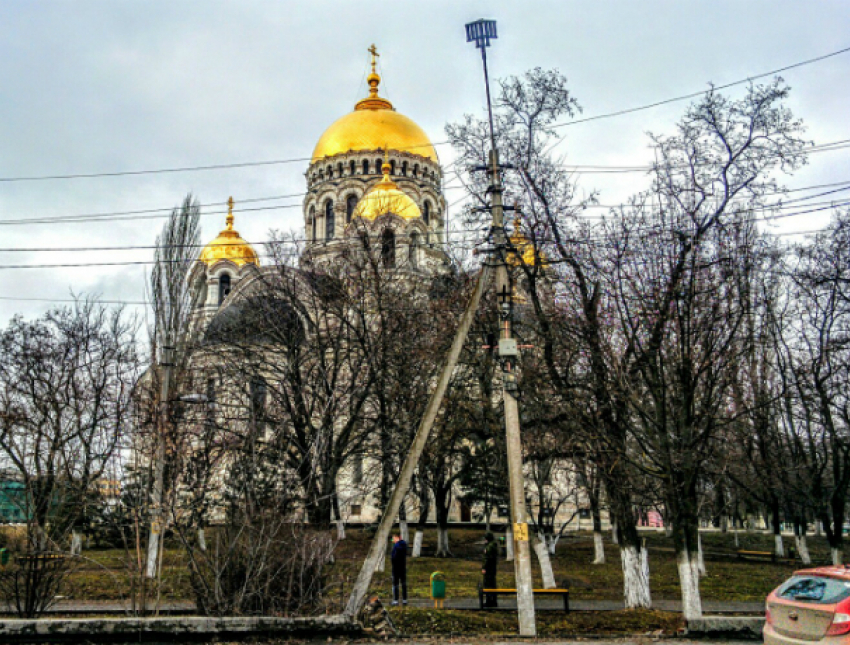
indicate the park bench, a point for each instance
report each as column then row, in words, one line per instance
column 761, row 555
column 563, row 593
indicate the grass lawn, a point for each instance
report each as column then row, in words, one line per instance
column 102, row 574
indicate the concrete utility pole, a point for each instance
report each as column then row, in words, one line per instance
column 482, row 31
column 157, row 490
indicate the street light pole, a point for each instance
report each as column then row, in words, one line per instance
column 482, row 31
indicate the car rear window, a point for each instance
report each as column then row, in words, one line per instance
column 815, row 589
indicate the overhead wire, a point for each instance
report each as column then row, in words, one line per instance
column 273, row 162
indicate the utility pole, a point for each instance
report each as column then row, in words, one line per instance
column 157, row 490
column 482, row 31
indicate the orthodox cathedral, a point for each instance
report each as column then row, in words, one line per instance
column 373, row 171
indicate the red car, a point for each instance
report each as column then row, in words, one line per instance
column 812, row 605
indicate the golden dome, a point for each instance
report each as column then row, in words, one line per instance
column 373, row 125
column 229, row 246
column 385, row 197
column 524, row 248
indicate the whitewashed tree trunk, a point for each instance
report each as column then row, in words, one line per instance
column 689, row 582
column 779, row 548
column 614, row 538
column 76, row 543
column 404, row 530
column 598, row 548
column 700, row 558
column 417, row 543
column 818, row 528
column 737, row 543
column 836, row 556
column 509, row 544
column 202, row 540
column 635, row 578
column 545, row 565
column 443, row 550
column 553, row 544
column 803, row 549
column 340, row 529
column 382, row 561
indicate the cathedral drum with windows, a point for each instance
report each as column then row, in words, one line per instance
column 375, row 173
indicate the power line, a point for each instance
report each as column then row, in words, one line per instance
column 692, row 95
column 276, row 162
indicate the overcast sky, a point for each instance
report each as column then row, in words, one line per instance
column 104, row 87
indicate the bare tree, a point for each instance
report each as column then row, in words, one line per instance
column 65, row 394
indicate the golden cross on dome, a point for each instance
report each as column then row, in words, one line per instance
column 230, row 213
column 374, row 51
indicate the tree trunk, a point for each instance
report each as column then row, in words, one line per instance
column 803, row 549
column 700, row 558
column 689, row 582
column 779, row 546
column 836, row 556
column 775, row 517
column 202, row 540
column 404, row 530
column 553, row 543
column 635, row 577
column 417, row 543
column 509, row 544
column 614, row 537
column 76, row 543
column 598, row 542
column 598, row 548
column 545, row 565
column 443, row 550
column 340, row 529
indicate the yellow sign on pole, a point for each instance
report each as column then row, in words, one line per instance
column 521, row 532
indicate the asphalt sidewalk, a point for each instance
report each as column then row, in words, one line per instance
column 82, row 607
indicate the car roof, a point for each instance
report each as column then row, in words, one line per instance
column 831, row 571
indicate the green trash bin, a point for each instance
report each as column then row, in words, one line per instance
column 4, row 557
column 438, row 588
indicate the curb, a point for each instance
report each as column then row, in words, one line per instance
column 732, row 627
column 115, row 630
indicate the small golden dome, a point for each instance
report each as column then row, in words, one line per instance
column 374, row 124
column 385, row 197
column 229, row 245
column 524, row 249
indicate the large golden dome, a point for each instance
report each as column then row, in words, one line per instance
column 374, row 125
column 385, row 197
column 229, row 246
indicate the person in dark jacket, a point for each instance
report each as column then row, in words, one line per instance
column 398, row 559
column 489, row 566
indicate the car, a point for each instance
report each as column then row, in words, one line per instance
column 812, row 605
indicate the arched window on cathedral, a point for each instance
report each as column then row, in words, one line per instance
column 223, row 287
column 416, row 170
column 339, row 169
column 392, row 167
column 388, row 248
column 352, row 167
column 378, row 163
column 404, row 169
column 426, row 213
column 329, row 220
column 313, row 223
column 350, row 205
column 413, row 250
column 365, row 166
